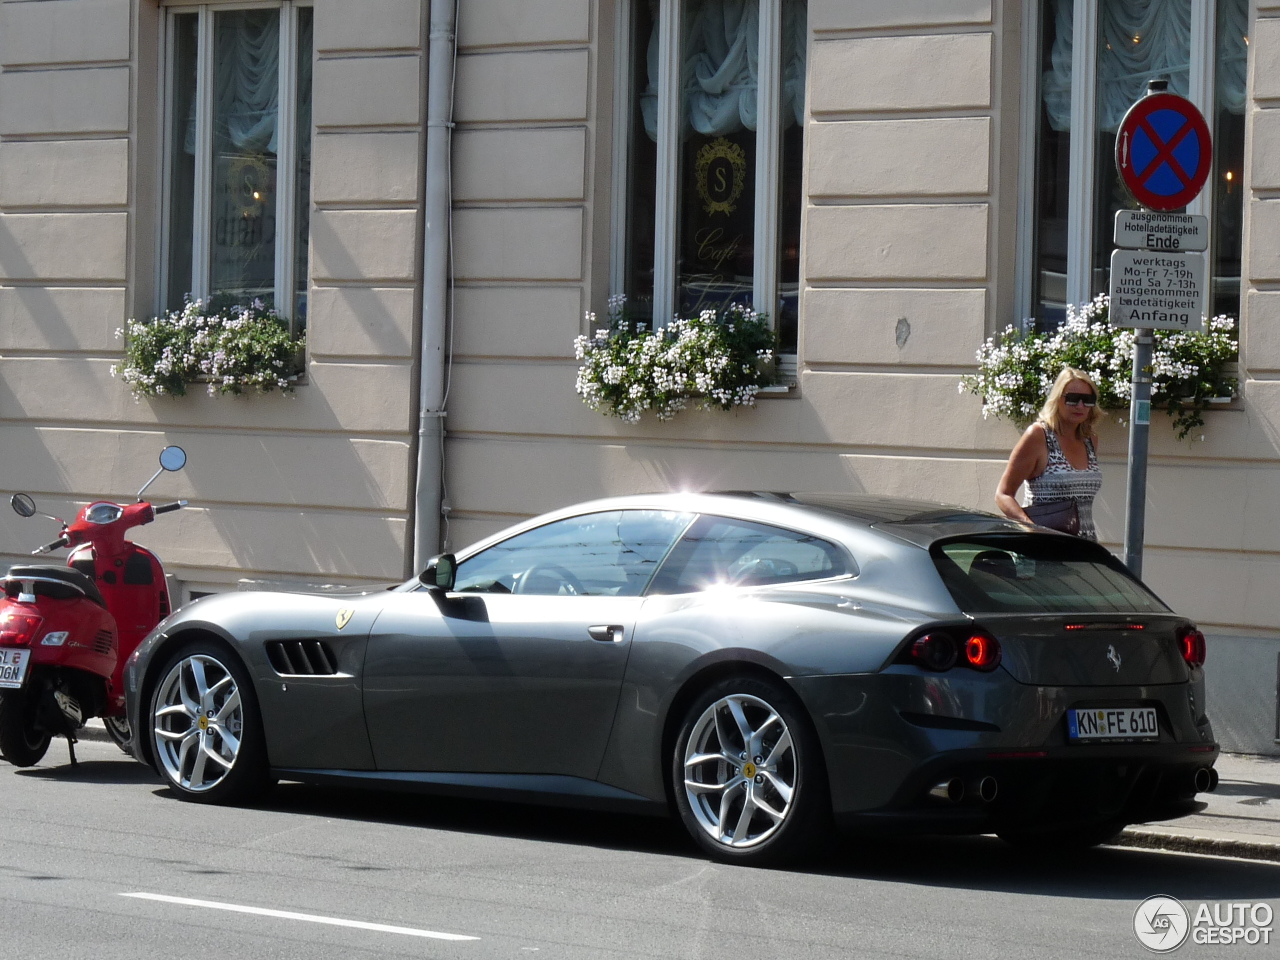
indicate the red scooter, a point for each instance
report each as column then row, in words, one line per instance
column 66, row 632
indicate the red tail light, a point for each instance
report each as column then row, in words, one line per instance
column 1192, row 646
column 982, row 652
column 935, row 651
column 18, row 629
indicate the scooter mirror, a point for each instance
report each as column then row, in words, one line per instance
column 23, row 505
column 173, row 459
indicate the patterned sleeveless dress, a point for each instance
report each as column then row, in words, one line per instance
column 1061, row 481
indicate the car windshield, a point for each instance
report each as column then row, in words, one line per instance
column 1036, row 573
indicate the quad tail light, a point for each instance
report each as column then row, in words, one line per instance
column 940, row 650
column 18, row 629
column 1191, row 645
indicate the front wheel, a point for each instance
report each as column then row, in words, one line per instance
column 750, row 784
column 20, row 742
column 206, row 729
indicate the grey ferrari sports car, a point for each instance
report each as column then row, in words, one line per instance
column 767, row 666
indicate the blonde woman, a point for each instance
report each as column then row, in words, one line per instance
column 1057, row 460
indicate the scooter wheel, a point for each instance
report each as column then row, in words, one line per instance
column 206, row 730
column 120, row 733
column 20, row 742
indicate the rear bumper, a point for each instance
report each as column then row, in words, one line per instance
column 889, row 738
column 1065, row 787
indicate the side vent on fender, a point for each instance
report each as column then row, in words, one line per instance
column 104, row 642
column 302, row 658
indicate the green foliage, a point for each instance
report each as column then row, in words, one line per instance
column 712, row 360
column 233, row 348
column 1016, row 371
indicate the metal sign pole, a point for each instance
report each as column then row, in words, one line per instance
column 1135, row 507
column 1164, row 153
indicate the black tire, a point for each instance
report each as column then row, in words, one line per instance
column 1063, row 839
column 243, row 774
column 120, row 733
column 20, row 742
column 759, row 837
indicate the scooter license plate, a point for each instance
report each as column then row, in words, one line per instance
column 13, row 668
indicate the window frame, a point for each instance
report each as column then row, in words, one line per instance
column 286, row 278
column 768, row 177
column 1084, row 76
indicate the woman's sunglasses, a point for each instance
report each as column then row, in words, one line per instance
column 1075, row 399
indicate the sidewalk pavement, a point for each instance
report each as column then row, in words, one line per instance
column 1242, row 819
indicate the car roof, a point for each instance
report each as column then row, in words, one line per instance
column 918, row 522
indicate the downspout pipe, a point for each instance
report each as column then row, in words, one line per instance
column 437, row 190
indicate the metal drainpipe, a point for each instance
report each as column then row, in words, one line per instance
column 435, row 283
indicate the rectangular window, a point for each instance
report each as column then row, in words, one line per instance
column 711, row 144
column 1095, row 58
column 237, row 193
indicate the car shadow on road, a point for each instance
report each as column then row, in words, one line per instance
column 976, row 863
column 93, row 771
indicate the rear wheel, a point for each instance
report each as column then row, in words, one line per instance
column 120, row 733
column 20, row 742
column 749, row 780
column 206, row 729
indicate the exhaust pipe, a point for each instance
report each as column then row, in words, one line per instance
column 1206, row 780
column 951, row 790
column 987, row 789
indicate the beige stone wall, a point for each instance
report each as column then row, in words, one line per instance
column 313, row 486
column 903, row 176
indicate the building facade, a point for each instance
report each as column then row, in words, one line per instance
column 896, row 181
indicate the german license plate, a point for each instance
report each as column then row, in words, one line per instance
column 1114, row 724
column 13, row 668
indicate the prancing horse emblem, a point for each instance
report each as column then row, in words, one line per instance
column 344, row 617
column 1113, row 657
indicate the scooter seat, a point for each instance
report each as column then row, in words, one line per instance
column 72, row 578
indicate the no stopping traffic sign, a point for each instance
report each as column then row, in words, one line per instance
column 1164, row 151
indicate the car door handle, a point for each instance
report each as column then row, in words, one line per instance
column 610, row 633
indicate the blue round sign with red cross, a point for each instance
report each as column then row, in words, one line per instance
column 1164, row 151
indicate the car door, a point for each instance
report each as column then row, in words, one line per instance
column 517, row 670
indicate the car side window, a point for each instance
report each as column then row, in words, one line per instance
column 719, row 551
column 599, row 554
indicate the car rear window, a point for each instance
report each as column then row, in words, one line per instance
column 717, row 551
column 1037, row 573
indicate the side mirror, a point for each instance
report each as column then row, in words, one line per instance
column 441, row 572
column 23, row 505
column 173, row 459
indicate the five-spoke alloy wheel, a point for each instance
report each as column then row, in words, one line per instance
column 749, row 782
column 205, row 731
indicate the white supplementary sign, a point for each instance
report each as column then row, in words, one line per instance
column 1160, row 291
column 1171, row 232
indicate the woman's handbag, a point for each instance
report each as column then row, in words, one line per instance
column 1060, row 515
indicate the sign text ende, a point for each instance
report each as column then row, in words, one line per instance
column 1162, row 291
column 1173, row 232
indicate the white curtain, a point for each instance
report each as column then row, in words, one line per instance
column 1139, row 40
column 721, row 69
column 246, row 90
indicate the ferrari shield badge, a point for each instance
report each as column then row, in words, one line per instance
column 344, row 617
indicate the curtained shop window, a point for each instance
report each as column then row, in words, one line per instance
column 238, row 156
column 1081, row 90
column 708, row 157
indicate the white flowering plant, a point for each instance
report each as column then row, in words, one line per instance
column 718, row 359
column 1189, row 369
column 231, row 347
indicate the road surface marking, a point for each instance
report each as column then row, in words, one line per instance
column 289, row 915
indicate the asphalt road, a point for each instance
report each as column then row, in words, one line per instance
column 75, row 845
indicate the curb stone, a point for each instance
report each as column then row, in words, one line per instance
column 1217, row 846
